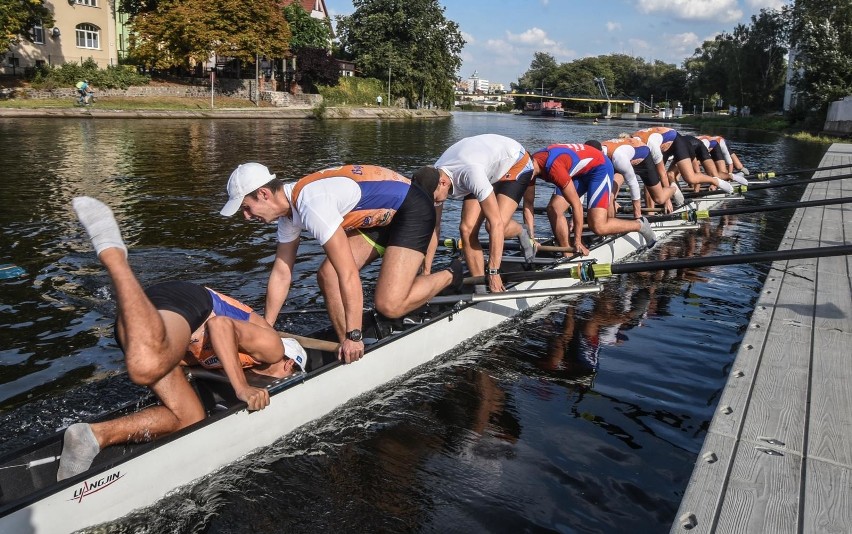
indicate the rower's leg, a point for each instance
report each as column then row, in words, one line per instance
column 508, row 207
column 363, row 253
column 696, row 179
column 400, row 289
column 153, row 342
column 471, row 222
column 181, row 408
column 602, row 224
column 556, row 209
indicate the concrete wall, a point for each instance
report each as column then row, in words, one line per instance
column 839, row 118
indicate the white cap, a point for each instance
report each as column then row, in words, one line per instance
column 245, row 179
column 295, row 352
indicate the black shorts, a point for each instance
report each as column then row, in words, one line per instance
column 679, row 150
column 412, row 225
column 191, row 301
column 647, row 171
column 697, row 148
column 513, row 189
column 716, row 154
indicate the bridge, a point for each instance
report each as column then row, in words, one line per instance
column 600, row 100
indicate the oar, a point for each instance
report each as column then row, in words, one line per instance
column 506, row 295
column 590, row 271
column 695, row 215
column 773, row 174
column 312, row 343
column 797, row 181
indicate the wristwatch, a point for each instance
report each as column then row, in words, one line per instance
column 354, row 335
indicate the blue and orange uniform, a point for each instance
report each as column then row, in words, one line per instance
column 377, row 202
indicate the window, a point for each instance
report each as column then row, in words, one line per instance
column 38, row 34
column 92, row 3
column 88, row 36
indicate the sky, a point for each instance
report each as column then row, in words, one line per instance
column 503, row 35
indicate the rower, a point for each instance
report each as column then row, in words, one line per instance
column 357, row 213
column 631, row 157
column 576, row 170
column 490, row 172
column 726, row 161
column 160, row 329
column 673, row 145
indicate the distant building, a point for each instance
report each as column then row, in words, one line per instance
column 497, row 88
column 477, row 85
column 82, row 29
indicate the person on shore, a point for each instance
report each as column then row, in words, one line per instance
column 84, row 90
column 631, row 157
column 161, row 328
column 357, row 213
column 673, row 145
column 576, row 170
column 490, row 172
column 379, row 101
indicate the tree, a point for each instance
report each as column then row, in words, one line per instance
column 307, row 31
column 821, row 35
column 181, row 30
column 316, row 66
column 17, row 19
column 410, row 41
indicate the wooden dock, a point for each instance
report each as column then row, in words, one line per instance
column 778, row 455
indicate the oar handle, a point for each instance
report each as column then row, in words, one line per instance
column 313, row 343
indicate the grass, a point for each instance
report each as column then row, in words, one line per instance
column 162, row 103
column 821, row 139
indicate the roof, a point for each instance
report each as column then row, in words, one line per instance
column 310, row 6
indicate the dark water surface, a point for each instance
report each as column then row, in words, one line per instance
column 584, row 416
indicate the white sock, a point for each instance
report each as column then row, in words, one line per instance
column 79, row 449
column 739, row 178
column 99, row 223
column 724, row 186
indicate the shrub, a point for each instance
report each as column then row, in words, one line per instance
column 353, row 91
column 67, row 75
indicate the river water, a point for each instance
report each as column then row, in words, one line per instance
column 584, row 416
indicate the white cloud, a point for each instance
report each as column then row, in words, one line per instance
column 682, row 42
column 725, row 11
column 613, row 26
column 468, row 38
column 531, row 37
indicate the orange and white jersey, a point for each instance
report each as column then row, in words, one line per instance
column 350, row 196
column 627, row 152
column 658, row 136
column 200, row 349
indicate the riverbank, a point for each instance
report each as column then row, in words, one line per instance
column 104, row 111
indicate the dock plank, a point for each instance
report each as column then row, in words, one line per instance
column 781, row 439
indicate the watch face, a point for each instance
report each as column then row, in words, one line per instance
column 354, row 335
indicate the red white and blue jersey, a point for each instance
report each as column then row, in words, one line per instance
column 585, row 166
column 350, row 196
column 560, row 163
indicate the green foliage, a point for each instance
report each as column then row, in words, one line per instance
column 774, row 123
column 308, row 32
column 821, row 36
column 412, row 41
column 351, row 91
column 320, row 110
column 112, row 77
column 17, row 18
column 182, row 30
column 747, row 67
